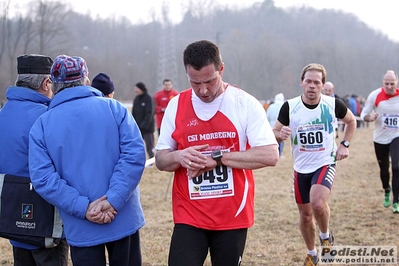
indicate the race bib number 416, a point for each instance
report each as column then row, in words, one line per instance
column 390, row 121
column 216, row 183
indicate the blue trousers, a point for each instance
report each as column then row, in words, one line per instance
column 122, row 252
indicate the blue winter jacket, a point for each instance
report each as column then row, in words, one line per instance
column 17, row 116
column 86, row 146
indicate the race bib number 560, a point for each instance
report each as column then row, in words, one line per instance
column 310, row 138
column 212, row 184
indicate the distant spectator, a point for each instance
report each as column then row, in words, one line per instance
column 103, row 83
column 266, row 104
column 353, row 104
column 161, row 100
column 361, row 100
column 272, row 114
column 143, row 113
column 328, row 90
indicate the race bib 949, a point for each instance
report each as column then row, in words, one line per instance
column 216, row 183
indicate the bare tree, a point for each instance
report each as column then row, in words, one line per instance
column 200, row 8
column 38, row 29
column 49, row 18
column 17, row 28
column 5, row 7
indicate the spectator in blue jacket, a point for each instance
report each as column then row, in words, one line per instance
column 87, row 157
column 26, row 101
column 354, row 106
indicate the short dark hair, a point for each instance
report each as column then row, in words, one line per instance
column 202, row 53
column 167, row 80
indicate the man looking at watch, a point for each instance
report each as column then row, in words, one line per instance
column 382, row 107
column 308, row 120
column 212, row 136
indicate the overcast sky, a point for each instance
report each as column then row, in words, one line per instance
column 381, row 15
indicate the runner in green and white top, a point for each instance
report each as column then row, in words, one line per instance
column 308, row 120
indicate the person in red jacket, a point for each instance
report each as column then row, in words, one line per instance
column 161, row 99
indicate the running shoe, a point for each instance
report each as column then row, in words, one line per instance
column 387, row 199
column 395, row 208
column 311, row 260
column 328, row 242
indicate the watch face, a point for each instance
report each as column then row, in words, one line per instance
column 345, row 143
column 217, row 155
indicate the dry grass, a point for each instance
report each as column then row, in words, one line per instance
column 357, row 214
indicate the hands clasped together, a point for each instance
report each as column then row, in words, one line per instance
column 101, row 211
column 195, row 162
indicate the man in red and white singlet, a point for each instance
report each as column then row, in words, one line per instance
column 382, row 106
column 213, row 135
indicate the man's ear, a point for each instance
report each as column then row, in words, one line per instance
column 221, row 69
column 44, row 87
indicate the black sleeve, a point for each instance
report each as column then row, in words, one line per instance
column 283, row 115
column 340, row 108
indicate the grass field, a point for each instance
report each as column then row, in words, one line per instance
column 358, row 217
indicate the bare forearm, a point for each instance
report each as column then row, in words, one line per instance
column 190, row 158
column 167, row 161
column 277, row 135
column 254, row 158
column 350, row 128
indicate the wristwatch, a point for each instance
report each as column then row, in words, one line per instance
column 217, row 156
column 345, row 143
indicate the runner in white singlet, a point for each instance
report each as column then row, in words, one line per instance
column 308, row 121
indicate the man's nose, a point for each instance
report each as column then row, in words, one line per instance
column 202, row 88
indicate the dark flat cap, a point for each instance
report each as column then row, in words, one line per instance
column 34, row 64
